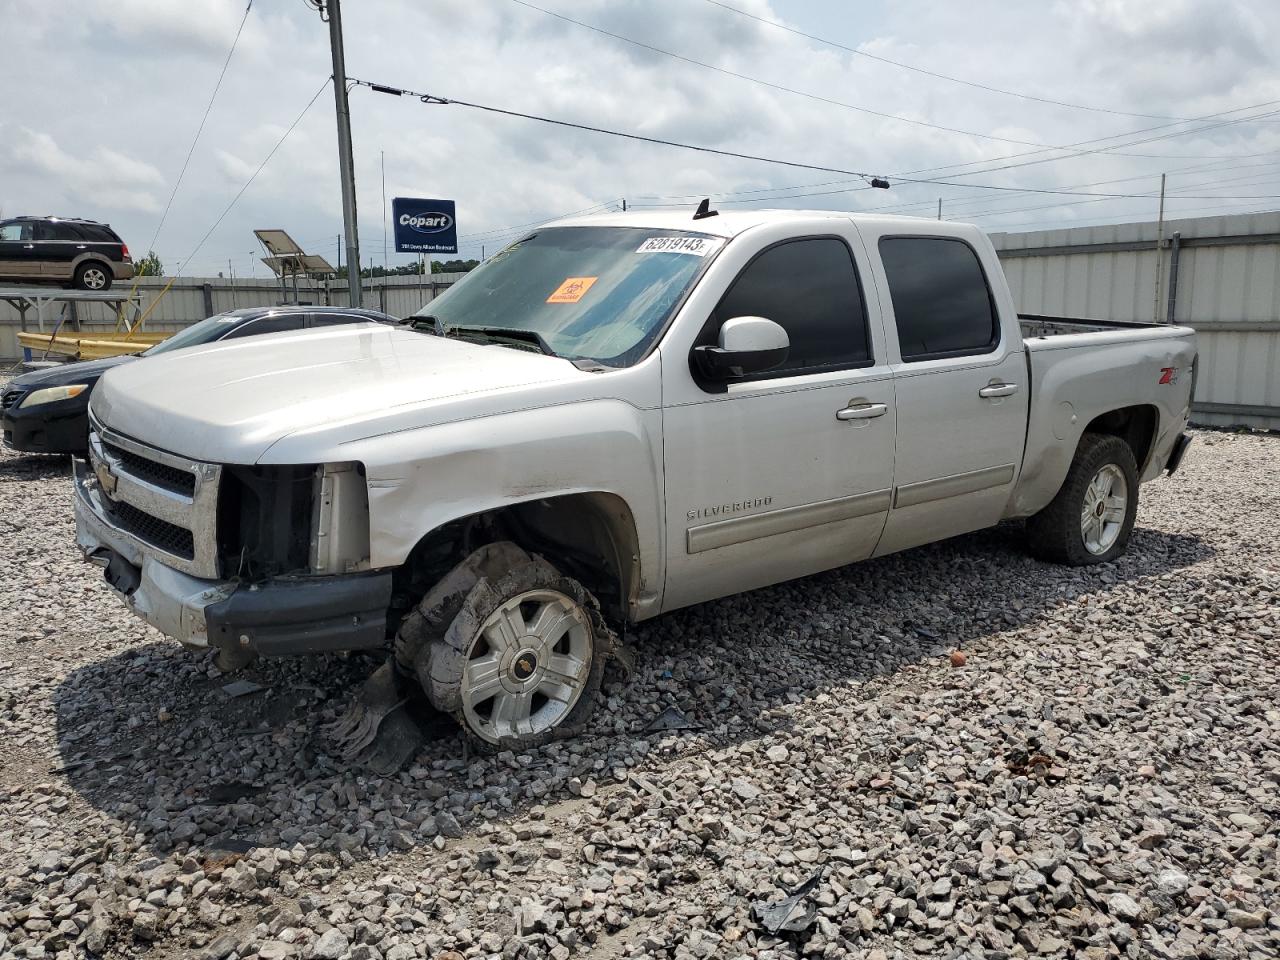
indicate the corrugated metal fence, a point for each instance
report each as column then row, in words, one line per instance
column 192, row 298
column 1220, row 275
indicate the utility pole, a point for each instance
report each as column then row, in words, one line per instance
column 1155, row 307
column 939, row 208
column 384, row 209
column 331, row 11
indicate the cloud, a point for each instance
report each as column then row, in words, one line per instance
column 116, row 119
column 102, row 176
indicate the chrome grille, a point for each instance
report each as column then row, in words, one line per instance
column 9, row 398
column 161, row 474
column 161, row 534
column 167, row 504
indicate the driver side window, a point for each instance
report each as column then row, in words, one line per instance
column 811, row 289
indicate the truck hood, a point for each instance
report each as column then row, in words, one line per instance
column 229, row 402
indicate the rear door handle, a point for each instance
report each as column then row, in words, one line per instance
column 863, row 411
column 998, row 390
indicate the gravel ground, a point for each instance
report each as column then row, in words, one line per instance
column 1101, row 778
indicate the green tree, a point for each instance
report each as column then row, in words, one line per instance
column 150, row 265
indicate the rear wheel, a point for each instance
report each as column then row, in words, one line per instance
column 1091, row 518
column 92, row 276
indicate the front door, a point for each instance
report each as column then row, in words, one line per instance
column 962, row 390
column 788, row 472
column 18, row 251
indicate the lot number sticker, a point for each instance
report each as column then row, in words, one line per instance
column 572, row 290
column 693, row 246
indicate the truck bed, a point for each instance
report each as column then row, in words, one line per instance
column 1038, row 325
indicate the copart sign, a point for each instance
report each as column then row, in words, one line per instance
column 424, row 226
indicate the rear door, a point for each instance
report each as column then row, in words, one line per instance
column 99, row 238
column 18, row 251
column 57, row 245
column 788, row 472
column 961, row 384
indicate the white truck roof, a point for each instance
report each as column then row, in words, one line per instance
column 730, row 223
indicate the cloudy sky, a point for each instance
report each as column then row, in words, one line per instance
column 103, row 100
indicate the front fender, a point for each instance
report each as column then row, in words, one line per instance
column 423, row 478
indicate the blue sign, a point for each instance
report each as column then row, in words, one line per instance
column 424, row 226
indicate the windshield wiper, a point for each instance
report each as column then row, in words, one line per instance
column 503, row 335
column 426, row 322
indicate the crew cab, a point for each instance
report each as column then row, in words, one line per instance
column 614, row 417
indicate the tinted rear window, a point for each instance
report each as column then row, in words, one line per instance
column 98, row 233
column 941, row 302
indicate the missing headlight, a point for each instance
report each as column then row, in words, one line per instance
column 264, row 520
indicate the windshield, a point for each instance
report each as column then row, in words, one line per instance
column 206, row 331
column 594, row 293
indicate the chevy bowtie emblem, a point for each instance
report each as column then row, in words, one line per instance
column 524, row 666
column 106, row 479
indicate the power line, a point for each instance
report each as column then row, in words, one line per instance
column 840, row 103
column 433, row 100
column 936, row 75
column 960, row 166
column 200, row 129
column 254, row 176
column 514, row 228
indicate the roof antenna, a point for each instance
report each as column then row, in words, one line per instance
column 704, row 210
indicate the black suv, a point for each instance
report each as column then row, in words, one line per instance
column 79, row 253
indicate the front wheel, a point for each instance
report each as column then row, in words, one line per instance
column 1091, row 518
column 518, row 659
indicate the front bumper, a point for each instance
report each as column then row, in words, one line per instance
column 58, row 427
column 277, row 618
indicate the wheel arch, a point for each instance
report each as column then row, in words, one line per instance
column 89, row 260
column 1136, row 425
column 1047, row 465
column 590, row 535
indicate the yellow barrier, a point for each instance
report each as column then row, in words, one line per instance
column 92, row 347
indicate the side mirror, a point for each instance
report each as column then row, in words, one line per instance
column 747, row 345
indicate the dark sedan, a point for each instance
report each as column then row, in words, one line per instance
column 47, row 411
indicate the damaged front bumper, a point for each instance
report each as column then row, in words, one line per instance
column 275, row 618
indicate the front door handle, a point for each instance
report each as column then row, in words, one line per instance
column 994, row 390
column 862, row 411
column 28, row 246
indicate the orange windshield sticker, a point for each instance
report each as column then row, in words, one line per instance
column 572, row 290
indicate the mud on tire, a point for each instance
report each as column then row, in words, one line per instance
column 437, row 641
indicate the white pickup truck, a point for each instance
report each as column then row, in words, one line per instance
column 612, row 418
